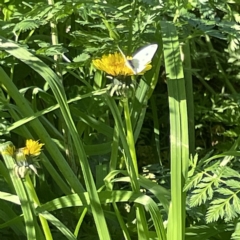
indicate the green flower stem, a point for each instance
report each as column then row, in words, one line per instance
column 20, row 189
column 130, row 138
column 131, row 24
column 142, row 226
column 54, row 36
column 80, row 221
column 34, row 197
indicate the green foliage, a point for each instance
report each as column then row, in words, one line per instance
column 90, row 183
column 216, row 187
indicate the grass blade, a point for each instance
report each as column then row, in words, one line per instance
column 178, row 130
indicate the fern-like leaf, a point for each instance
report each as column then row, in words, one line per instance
column 28, row 24
column 216, row 210
column 236, row 203
column 236, row 234
column 192, row 182
column 200, row 194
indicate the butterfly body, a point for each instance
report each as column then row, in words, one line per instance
column 140, row 60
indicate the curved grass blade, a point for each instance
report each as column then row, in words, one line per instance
column 26, row 110
column 58, row 91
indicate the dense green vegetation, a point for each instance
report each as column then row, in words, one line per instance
column 151, row 156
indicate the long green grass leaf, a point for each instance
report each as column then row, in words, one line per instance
column 53, row 81
column 178, row 130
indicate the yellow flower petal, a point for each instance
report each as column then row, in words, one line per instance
column 115, row 65
column 32, row 148
column 10, row 150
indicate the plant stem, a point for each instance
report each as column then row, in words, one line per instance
column 33, row 196
column 130, row 138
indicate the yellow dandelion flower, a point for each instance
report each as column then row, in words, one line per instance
column 32, row 148
column 10, row 150
column 116, row 65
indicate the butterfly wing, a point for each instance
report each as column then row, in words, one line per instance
column 142, row 58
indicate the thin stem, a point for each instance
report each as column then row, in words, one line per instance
column 130, row 25
column 130, row 137
column 54, row 36
column 219, row 66
column 34, row 197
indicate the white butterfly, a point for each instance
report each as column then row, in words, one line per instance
column 141, row 58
